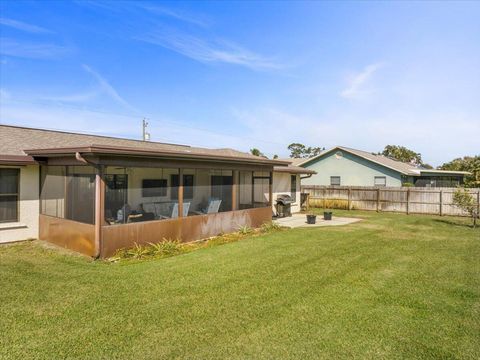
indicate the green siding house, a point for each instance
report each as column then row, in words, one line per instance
column 342, row 166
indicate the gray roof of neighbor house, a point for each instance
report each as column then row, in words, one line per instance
column 292, row 168
column 401, row 167
column 18, row 143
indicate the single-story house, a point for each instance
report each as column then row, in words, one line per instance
column 342, row 166
column 96, row 194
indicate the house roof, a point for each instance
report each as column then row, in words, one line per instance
column 22, row 143
column 401, row 167
column 292, row 168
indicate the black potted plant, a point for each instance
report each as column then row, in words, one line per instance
column 311, row 218
column 327, row 215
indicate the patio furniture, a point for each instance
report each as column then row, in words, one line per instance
column 212, row 207
column 174, row 214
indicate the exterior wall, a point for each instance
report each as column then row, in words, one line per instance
column 27, row 226
column 281, row 185
column 353, row 170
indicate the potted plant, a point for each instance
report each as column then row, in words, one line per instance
column 311, row 218
column 327, row 215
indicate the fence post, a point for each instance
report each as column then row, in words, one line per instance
column 378, row 199
column 441, row 202
column 408, row 201
column 478, row 202
column 323, row 197
column 348, row 196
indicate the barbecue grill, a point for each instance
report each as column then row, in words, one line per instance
column 284, row 205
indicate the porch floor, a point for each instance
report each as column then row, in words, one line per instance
column 300, row 220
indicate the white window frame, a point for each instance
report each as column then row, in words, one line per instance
column 17, row 194
column 339, row 180
column 380, row 177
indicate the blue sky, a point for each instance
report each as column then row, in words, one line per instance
column 247, row 74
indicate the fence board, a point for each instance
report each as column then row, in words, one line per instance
column 436, row 201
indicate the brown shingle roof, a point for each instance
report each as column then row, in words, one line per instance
column 16, row 140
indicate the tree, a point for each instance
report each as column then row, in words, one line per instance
column 256, row 152
column 467, row 163
column 401, row 153
column 298, row 150
column 465, row 201
column 275, row 156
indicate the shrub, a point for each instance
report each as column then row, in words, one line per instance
column 465, row 201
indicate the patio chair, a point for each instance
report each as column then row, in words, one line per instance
column 174, row 214
column 212, row 207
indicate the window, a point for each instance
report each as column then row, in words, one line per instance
column 187, row 187
column 293, row 187
column 380, row 181
column 9, row 195
column 335, row 180
column 154, row 187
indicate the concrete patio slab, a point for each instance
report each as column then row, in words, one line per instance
column 300, row 220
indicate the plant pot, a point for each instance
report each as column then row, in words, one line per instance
column 311, row 219
column 327, row 215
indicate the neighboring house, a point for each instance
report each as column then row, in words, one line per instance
column 96, row 194
column 342, row 166
column 287, row 180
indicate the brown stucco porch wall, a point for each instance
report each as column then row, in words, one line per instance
column 185, row 229
column 68, row 234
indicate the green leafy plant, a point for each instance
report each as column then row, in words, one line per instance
column 166, row 247
column 466, row 202
column 245, row 230
column 269, row 227
column 138, row 251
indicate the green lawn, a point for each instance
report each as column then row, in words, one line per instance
column 391, row 286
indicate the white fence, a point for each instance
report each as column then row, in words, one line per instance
column 410, row 200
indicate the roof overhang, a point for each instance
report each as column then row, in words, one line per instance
column 443, row 172
column 17, row 160
column 98, row 150
column 293, row 170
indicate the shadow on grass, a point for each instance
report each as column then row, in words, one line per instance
column 453, row 222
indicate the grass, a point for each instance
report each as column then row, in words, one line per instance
column 391, row 286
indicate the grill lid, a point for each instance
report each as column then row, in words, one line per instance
column 284, row 199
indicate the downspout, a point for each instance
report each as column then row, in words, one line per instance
column 306, row 177
column 98, row 202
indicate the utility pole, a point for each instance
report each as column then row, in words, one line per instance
column 146, row 135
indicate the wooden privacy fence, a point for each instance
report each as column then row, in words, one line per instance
column 436, row 201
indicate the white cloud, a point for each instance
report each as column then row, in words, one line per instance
column 356, row 83
column 80, row 97
column 176, row 14
column 30, row 50
column 19, row 25
column 108, row 89
column 210, row 52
